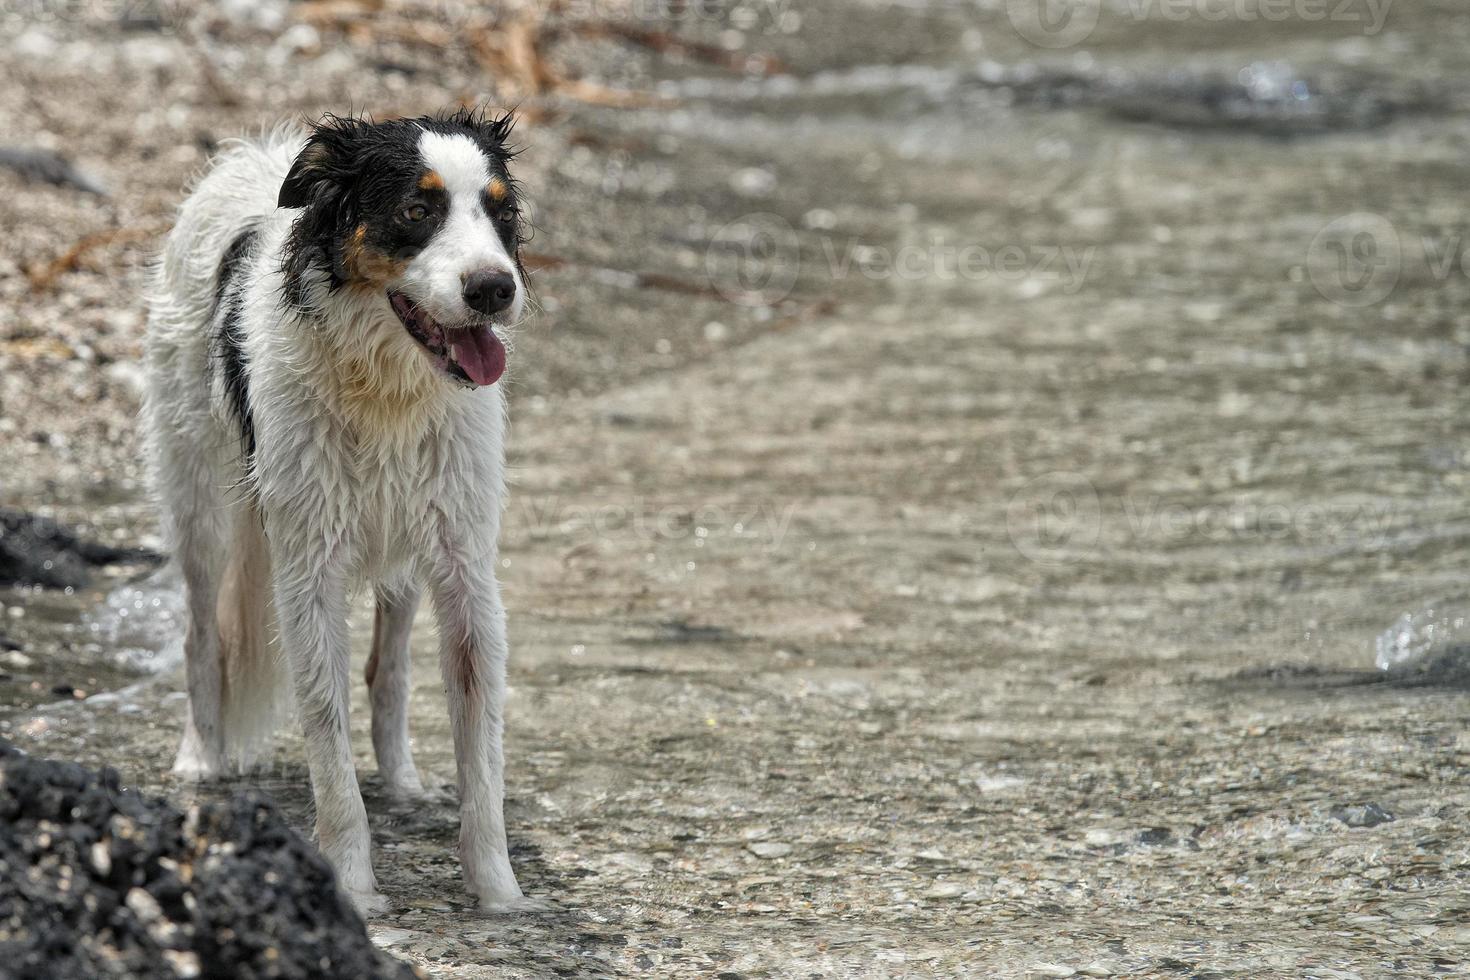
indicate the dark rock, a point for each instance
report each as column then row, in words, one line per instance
column 1267, row 99
column 1364, row 815
column 97, row 880
column 43, row 165
column 38, row 551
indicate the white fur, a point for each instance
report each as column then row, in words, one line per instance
column 371, row 467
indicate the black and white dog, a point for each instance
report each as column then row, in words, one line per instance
column 327, row 325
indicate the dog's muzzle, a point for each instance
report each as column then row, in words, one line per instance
column 470, row 354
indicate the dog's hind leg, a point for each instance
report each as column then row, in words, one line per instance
column 388, row 684
column 255, row 691
column 200, row 517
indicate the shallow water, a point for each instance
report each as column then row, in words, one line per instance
column 1002, row 531
column 141, row 623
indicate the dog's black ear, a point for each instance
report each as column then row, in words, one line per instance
column 306, row 174
column 497, row 128
column 324, row 162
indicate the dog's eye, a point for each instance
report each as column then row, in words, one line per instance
column 506, row 216
column 416, row 213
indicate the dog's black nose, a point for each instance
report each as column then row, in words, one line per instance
column 489, row 290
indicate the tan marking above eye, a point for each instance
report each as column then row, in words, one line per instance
column 431, row 181
column 497, row 189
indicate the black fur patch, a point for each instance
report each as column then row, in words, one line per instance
column 227, row 351
column 355, row 173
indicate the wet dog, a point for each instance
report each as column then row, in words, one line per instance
column 326, row 329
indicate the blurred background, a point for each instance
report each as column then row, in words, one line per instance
column 988, row 475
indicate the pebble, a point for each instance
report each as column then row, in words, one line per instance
column 1364, row 815
column 300, row 37
column 34, row 44
column 388, row 938
column 769, row 849
column 16, row 660
column 820, row 219
column 143, row 905
column 185, row 963
column 753, row 182
column 628, row 860
column 101, row 859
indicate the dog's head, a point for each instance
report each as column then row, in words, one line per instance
column 421, row 216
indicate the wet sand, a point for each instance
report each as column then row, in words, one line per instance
column 985, row 584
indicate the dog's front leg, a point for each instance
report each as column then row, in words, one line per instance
column 311, row 604
column 472, row 658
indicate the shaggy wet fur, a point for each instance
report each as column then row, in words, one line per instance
column 327, row 327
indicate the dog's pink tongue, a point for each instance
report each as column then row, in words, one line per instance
column 480, row 353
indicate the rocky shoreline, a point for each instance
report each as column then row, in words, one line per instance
column 97, row 880
column 984, row 581
column 36, row 550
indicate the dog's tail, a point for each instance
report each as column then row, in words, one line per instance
column 256, row 682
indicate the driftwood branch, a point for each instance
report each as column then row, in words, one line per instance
column 510, row 51
column 663, row 42
column 43, row 275
column 222, row 92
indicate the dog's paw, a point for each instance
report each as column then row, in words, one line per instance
column 195, row 767
column 517, row 904
column 408, row 789
column 491, row 880
column 198, row 760
column 367, row 903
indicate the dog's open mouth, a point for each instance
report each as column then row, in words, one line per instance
column 472, row 355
